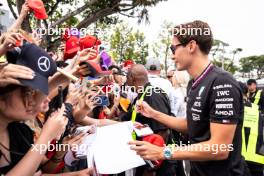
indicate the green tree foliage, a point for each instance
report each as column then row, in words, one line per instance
column 126, row 44
column 161, row 48
column 82, row 13
column 218, row 48
column 224, row 57
column 251, row 65
column 226, row 64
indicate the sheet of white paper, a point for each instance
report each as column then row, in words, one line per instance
column 112, row 154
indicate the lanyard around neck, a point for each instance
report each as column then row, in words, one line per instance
column 134, row 112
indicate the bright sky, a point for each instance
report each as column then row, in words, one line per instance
column 237, row 22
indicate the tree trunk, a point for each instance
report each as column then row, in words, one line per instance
column 73, row 13
column 166, row 59
column 9, row 3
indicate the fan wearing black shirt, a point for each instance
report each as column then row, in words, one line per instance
column 214, row 110
column 138, row 78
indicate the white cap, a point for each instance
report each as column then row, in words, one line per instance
column 153, row 64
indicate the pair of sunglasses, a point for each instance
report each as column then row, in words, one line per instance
column 174, row 47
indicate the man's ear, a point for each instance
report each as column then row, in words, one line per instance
column 192, row 46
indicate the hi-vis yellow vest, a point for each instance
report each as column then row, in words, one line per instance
column 257, row 97
column 251, row 120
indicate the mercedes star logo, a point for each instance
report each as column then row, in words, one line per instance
column 43, row 63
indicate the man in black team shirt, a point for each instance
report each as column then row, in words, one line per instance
column 214, row 110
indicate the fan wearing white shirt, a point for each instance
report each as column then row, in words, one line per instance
column 175, row 96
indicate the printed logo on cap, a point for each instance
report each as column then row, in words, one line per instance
column 44, row 63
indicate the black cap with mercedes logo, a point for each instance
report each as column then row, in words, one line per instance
column 40, row 62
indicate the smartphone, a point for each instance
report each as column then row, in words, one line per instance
column 101, row 100
column 79, row 130
column 143, row 130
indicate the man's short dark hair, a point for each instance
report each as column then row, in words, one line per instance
column 251, row 81
column 198, row 31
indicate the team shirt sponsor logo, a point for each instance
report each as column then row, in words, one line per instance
column 224, row 100
column 195, row 117
column 224, row 113
column 224, row 106
column 197, row 104
column 198, row 98
column 196, row 110
column 201, row 90
column 223, row 93
column 222, row 86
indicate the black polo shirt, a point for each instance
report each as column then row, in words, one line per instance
column 215, row 97
column 158, row 100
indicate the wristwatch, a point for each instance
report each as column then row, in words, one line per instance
column 167, row 152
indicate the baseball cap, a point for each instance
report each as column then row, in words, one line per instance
column 89, row 41
column 128, row 63
column 95, row 69
column 71, row 47
column 70, row 32
column 157, row 140
column 154, row 139
column 41, row 63
column 38, row 8
column 153, row 64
